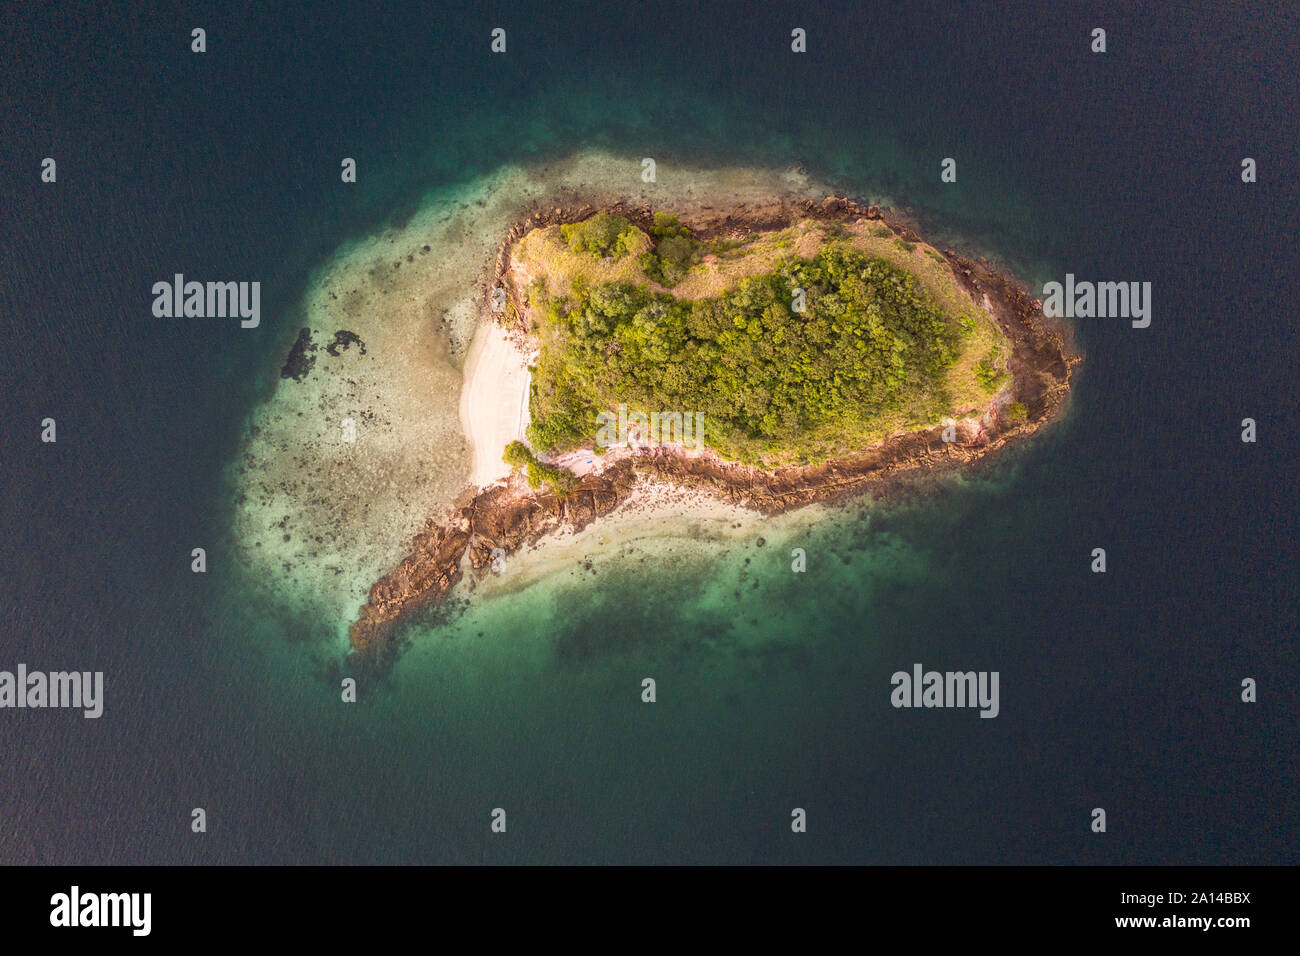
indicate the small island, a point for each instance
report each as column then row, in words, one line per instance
column 773, row 356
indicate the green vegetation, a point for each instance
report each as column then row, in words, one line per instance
column 890, row 340
column 871, row 353
column 720, row 247
column 602, row 235
column 561, row 481
column 674, row 252
column 1017, row 411
column 518, row 455
column 988, row 374
column 536, row 293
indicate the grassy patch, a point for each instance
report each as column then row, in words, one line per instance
column 989, row 371
column 890, row 341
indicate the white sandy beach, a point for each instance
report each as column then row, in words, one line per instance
column 493, row 402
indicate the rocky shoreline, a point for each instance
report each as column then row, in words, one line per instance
column 511, row 517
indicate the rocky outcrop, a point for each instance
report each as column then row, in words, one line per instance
column 426, row 574
column 500, row 520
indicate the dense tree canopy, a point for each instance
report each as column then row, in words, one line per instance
column 604, row 234
column 868, row 353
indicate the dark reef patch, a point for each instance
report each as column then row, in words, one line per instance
column 342, row 339
column 301, row 357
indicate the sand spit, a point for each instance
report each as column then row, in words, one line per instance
column 508, row 517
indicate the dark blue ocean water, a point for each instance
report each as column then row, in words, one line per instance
column 1118, row 690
